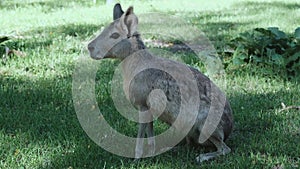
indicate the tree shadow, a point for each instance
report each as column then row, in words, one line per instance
column 267, row 5
column 38, row 106
column 47, row 5
column 46, row 38
column 256, row 123
column 259, row 123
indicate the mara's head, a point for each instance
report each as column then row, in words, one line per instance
column 119, row 39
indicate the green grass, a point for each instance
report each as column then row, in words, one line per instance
column 38, row 123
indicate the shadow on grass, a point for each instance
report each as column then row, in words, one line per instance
column 261, row 128
column 218, row 31
column 47, row 5
column 267, row 5
column 43, row 111
column 81, row 31
column 49, row 38
column 42, row 107
column 258, row 129
column 221, row 31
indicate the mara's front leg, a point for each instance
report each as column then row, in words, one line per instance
column 145, row 128
column 140, row 141
column 151, row 138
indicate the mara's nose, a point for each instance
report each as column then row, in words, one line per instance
column 91, row 48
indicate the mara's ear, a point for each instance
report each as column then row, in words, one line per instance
column 129, row 22
column 118, row 12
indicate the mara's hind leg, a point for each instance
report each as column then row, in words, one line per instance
column 222, row 149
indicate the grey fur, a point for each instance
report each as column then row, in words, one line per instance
column 126, row 42
column 118, row 12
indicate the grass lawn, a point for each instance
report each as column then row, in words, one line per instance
column 38, row 124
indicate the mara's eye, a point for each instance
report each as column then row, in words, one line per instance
column 115, row 35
